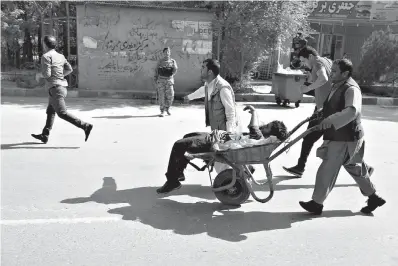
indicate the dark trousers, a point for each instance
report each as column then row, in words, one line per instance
column 56, row 105
column 196, row 142
column 308, row 143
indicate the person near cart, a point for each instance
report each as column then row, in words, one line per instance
column 199, row 142
column 343, row 141
column 220, row 106
column 321, row 85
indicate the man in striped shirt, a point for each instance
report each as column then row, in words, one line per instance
column 199, row 142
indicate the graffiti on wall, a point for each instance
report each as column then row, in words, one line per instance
column 122, row 48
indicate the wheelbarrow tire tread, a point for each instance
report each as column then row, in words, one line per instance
column 224, row 178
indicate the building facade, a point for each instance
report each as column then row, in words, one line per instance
column 119, row 46
column 342, row 27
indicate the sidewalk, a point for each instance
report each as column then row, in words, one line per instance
column 262, row 94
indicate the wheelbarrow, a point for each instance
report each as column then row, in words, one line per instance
column 234, row 186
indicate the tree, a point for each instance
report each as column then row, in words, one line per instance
column 20, row 23
column 250, row 29
column 379, row 56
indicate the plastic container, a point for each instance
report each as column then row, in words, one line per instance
column 287, row 88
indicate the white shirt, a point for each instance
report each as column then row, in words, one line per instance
column 226, row 99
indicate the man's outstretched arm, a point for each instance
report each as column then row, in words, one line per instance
column 254, row 125
column 199, row 93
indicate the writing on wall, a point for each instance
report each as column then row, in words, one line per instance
column 122, row 46
column 190, row 28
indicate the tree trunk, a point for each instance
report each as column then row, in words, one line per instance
column 39, row 41
column 17, row 55
column 28, row 53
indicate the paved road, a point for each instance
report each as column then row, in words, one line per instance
column 74, row 203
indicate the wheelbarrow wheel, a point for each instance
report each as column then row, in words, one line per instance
column 234, row 196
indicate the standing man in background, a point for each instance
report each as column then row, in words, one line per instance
column 54, row 69
column 164, row 79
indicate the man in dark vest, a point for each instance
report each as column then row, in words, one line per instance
column 343, row 141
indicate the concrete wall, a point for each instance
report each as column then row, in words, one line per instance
column 118, row 47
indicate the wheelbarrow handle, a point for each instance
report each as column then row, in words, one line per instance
column 294, row 141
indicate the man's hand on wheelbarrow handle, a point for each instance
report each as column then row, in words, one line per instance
column 326, row 124
column 317, row 115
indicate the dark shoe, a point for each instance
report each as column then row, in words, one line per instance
column 168, row 112
column 295, row 170
column 87, row 131
column 312, row 207
column 374, row 201
column 370, row 171
column 161, row 114
column 168, row 187
column 251, row 168
column 40, row 137
column 181, row 178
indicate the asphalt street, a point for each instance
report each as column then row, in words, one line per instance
column 70, row 202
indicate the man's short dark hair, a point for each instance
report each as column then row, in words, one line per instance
column 278, row 129
column 50, row 41
column 306, row 51
column 165, row 49
column 213, row 65
column 344, row 65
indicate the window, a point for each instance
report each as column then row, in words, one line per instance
column 332, row 46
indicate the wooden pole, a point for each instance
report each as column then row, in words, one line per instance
column 68, row 37
column 68, row 29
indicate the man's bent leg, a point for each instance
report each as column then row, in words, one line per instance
column 360, row 174
column 178, row 162
column 308, row 143
column 193, row 134
column 306, row 146
column 49, row 121
column 50, row 111
column 333, row 154
column 58, row 103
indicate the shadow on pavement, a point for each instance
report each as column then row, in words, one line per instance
column 272, row 106
column 125, row 116
column 90, row 104
column 25, row 145
column 213, row 218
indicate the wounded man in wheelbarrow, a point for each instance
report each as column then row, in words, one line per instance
column 199, row 142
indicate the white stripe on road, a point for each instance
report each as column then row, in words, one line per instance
column 60, row 220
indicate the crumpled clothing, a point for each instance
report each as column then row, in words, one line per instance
column 243, row 142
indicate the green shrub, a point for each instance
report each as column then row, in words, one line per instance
column 379, row 56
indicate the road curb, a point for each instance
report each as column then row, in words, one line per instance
column 239, row 97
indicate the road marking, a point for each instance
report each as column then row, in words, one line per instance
column 60, row 220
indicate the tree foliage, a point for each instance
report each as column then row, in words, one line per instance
column 251, row 29
column 379, row 56
column 20, row 24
